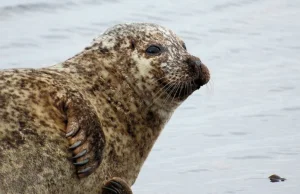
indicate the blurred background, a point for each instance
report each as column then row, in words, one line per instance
column 229, row 136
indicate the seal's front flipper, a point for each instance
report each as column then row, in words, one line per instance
column 116, row 186
column 85, row 135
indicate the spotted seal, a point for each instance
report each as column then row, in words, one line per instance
column 87, row 125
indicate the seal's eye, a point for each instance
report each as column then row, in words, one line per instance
column 183, row 45
column 153, row 50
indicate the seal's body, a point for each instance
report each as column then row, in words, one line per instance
column 97, row 114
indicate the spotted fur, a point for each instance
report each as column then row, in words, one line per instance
column 120, row 90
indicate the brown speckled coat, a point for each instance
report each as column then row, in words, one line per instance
column 119, row 97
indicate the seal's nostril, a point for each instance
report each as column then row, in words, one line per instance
column 193, row 61
column 195, row 64
column 190, row 62
column 198, row 63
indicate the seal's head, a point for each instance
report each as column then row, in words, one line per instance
column 154, row 61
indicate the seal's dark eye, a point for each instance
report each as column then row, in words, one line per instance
column 183, row 45
column 153, row 50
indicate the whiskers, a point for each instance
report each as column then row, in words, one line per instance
column 210, row 86
column 161, row 91
column 172, row 90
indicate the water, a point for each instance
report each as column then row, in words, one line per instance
column 228, row 137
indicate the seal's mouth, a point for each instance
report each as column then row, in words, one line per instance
column 183, row 88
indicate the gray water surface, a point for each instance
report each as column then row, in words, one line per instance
column 229, row 136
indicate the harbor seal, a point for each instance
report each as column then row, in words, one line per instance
column 86, row 125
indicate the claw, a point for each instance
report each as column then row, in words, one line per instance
column 75, row 128
column 82, row 153
column 84, row 170
column 107, row 188
column 75, row 145
column 70, row 133
column 81, row 162
column 116, row 184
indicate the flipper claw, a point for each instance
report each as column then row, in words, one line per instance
column 75, row 145
column 70, row 133
column 116, row 186
column 84, row 170
column 82, row 153
column 81, row 162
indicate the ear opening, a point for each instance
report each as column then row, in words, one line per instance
column 132, row 44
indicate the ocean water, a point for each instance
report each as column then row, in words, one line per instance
column 229, row 136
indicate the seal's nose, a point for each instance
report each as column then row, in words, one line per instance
column 203, row 76
column 201, row 71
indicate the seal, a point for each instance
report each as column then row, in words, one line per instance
column 87, row 125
